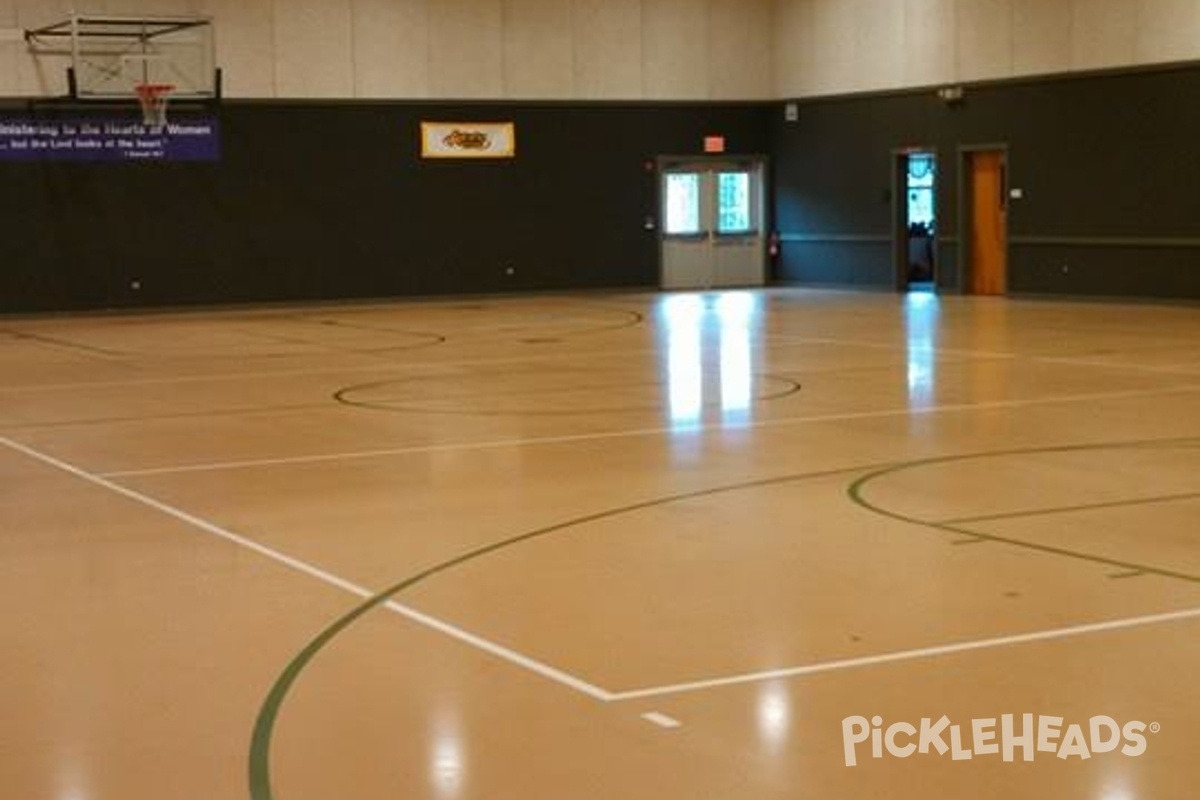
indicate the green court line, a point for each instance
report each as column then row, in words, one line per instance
column 264, row 725
column 856, row 493
column 1045, row 512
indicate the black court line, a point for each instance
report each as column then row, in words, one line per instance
column 66, row 344
column 225, row 412
column 264, row 727
column 633, row 318
column 856, row 494
column 259, row 772
column 344, row 396
column 427, row 340
column 1044, row 512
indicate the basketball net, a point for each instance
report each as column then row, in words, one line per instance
column 154, row 97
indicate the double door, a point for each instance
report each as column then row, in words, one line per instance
column 713, row 227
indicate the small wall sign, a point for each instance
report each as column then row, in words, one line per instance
column 468, row 140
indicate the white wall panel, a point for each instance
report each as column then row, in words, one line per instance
column 1041, row 36
column 792, row 47
column 607, row 48
column 45, row 74
column 633, row 49
column 465, row 53
column 11, row 49
column 879, row 44
column 1168, row 30
column 739, row 33
column 834, row 34
column 11, row 54
column 39, row 13
column 391, row 48
column 984, row 39
column 145, row 7
column 675, row 49
column 245, row 46
column 538, row 54
column 313, row 49
column 930, row 42
column 1103, row 33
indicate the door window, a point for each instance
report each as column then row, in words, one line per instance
column 683, row 204
column 733, row 202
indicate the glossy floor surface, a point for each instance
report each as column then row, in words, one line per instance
column 603, row 547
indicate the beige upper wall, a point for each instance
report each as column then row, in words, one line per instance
column 633, row 49
column 453, row 49
column 837, row 46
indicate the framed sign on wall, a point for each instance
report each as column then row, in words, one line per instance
column 468, row 140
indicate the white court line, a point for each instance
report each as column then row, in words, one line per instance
column 903, row 349
column 643, row 432
column 793, row 339
column 570, row 681
column 545, row 670
column 393, row 366
column 661, row 720
column 385, row 366
column 908, row 655
column 511, row 656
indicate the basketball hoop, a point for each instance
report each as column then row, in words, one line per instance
column 154, row 97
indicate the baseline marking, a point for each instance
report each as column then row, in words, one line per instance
column 661, row 720
column 788, row 339
column 641, row 432
column 478, row 642
column 908, row 655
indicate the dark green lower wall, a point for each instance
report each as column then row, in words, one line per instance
column 325, row 201
column 1106, row 269
column 315, row 201
column 1109, row 166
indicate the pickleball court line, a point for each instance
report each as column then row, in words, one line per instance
column 566, row 679
column 660, row 430
column 518, row 659
column 908, row 655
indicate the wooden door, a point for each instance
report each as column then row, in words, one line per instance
column 989, row 225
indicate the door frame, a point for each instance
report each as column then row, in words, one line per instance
column 663, row 162
column 900, row 213
column 966, row 209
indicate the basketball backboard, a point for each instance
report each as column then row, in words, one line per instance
column 112, row 56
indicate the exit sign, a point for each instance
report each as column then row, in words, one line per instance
column 714, row 144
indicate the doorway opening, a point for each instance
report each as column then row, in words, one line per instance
column 916, row 212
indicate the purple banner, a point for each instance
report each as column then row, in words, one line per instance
column 27, row 139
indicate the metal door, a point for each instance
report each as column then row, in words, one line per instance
column 712, row 233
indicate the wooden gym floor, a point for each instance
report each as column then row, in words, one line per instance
column 600, row 547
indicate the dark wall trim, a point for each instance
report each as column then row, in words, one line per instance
column 836, row 238
column 1107, row 241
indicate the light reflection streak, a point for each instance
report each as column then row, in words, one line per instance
column 685, row 369
column 921, row 312
column 689, row 321
column 774, row 714
column 734, row 313
column 447, row 765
